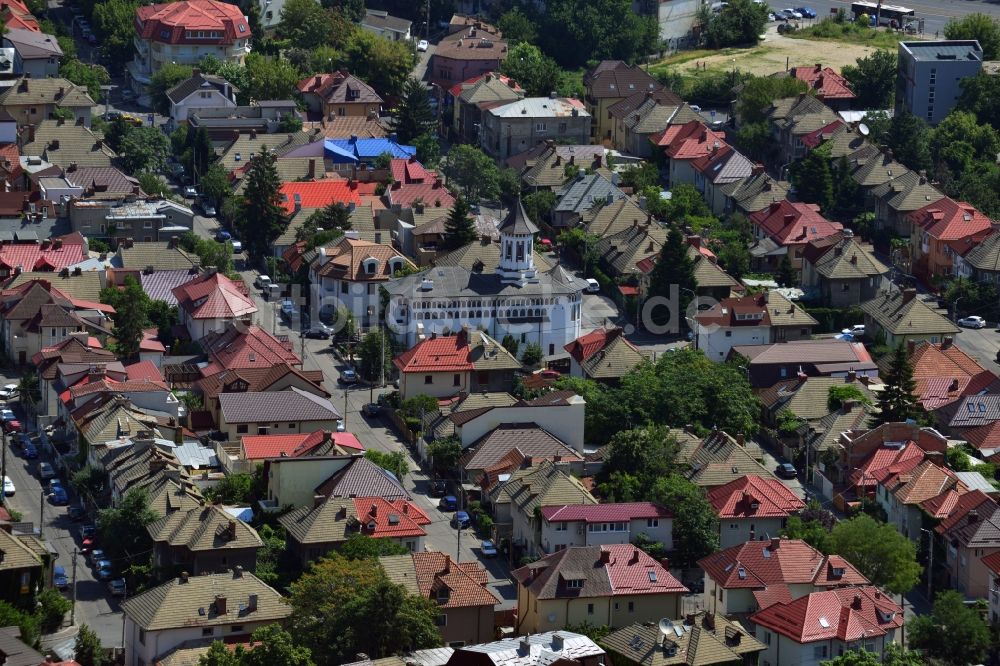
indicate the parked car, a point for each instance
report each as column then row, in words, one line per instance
column 12, row 426
column 8, row 487
column 785, row 471
column 29, row 451
column 117, row 587
column 371, row 410
column 973, row 321
column 437, row 488
column 8, row 391
column 22, row 440
column 96, row 555
column 104, row 570
column 807, row 12
column 262, row 281
column 76, row 512
column 59, row 496
column 222, row 236
column 46, row 471
column 59, row 578
column 593, row 286
column 190, row 192
column 858, row 330
column 237, row 246
column 87, row 545
column 422, row 45
column 488, row 549
column 54, row 483
column 348, row 376
column 176, row 169
column 317, row 332
column 460, row 520
column 88, row 530
column 208, row 210
column 792, row 13
column 7, row 415
column 448, row 503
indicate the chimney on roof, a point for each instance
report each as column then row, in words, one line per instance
column 634, row 559
column 318, row 500
column 220, row 604
column 856, row 604
column 909, row 295
column 911, row 346
column 854, row 259
column 23, row 85
column 953, row 386
column 184, row 577
column 252, row 603
column 238, row 571
column 253, row 133
column 973, row 516
column 231, row 531
column 741, row 439
column 775, row 543
column 605, row 556
column 195, row 71
column 447, row 564
column 852, row 375
column 312, row 170
column 374, row 509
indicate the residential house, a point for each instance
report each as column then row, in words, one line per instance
column 683, row 144
column 611, row 585
column 31, row 101
column 25, row 567
column 132, row 219
column 512, row 444
column 256, row 449
column 347, row 126
column 897, row 198
column 564, row 647
column 76, row 348
column 469, row 99
column 699, row 638
column 917, row 80
column 166, row 255
column 607, row 84
column 793, row 118
column 981, row 263
column 743, row 579
column 145, row 465
column 620, row 253
column 754, row 193
column 467, row 362
column 974, row 418
column 19, row 653
column 259, row 117
column 787, row 228
column 414, row 186
column 50, row 254
column 944, row 374
column 15, row 15
column 514, row 127
column 202, row 541
column 145, row 394
column 871, row 171
column 992, row 564
column 246, row 347
column 386, row 25
column 842, row 270
column 189, row 608
column 645, row 113
column 464, row 602
column 558, row 412
column 91, row 183
column 904, row 318
column 579, row 525
column 825, row 625
column 297, row 481
column 604, row 355
column 711, row 280
column 545, row 166
column 941, row 231
column 235, row 156
column 759, row 319
column 583, row 193
column 713, row 172
column 199, row 94
column 970, row 533
column 348, row 275
column 718, row 458
column 476, row 48
column 183, row 33
column 316, row 529
column 769, row 364
column 63, row 144
column 211, row 302
column 901, row 495
column 348, row 156
column 275, row 412
column 339, row 94
column 36, row 54
column 828, row 85
column 752, row 507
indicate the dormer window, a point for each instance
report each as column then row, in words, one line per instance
column 395, row 264
column 370, row 266
column 575, row 584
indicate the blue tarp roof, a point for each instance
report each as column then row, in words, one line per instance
column 366, row 149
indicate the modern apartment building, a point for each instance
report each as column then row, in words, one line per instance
column 930, row 74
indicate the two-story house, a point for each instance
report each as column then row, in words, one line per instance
column 339, row 94
column 903, row 318
column 895, row 199
column 473, row 48
column 699, row 638
column 786, row 228
column 604, row 355
column 468, row 362
column 715, row 171
column 942, row 230
column 752, row 508
column 203, row 540
column 36, row 54
column 572, row 525
column 520, row 125
column 611, row 585
column 30, row 101
column 791, row 119
column 199, row 94
column 842, row 270
column 610, row 82
column 212, row 301
column 275, row 412
column 758, row 319
column 189, row 608
column 470, row 98
column 969, row 534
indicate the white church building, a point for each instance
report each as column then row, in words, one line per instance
column 543, row 308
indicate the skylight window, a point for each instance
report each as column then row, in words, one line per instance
column 652, row 576
column 823, row 622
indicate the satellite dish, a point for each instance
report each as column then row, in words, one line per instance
column 666, row 627
column 864, row 129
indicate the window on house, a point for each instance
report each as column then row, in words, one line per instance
column 441, row 620
column 456, row 380
column 236, row 628
column 242, row 429
column 142, row 636
column 562, row 128
column 552, row 350
column 819, row 652
column 539, row 127
column 590, row 609
column 652, row 522
column 147, row 224
column 729, row 334
column 575, row 584
column 262, row 430
column 428, row 379
column 207, row 631
column 767, row 637
column 343, row 287
column 720, row 594
column 560, row 527
column 631, row 607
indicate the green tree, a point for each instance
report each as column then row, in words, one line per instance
column 131, row 306
column 517, row 27
column 87, row 648
column 981, row 96
column 757, row 95
column 813, row 178
column 114, row 24
column 353, row 10
column 12, row 616
column 382, row 63
column 640, row 177
column 952, row 632
column 532, row 354
column 459, row 230
column 837, row 395
column 363, row 547
column 786, row 276
column 215, row 183
column 445, row 452
column 908, row 137
column 472, row 171
column 873, row 79
column 271, row 566
column 28, row 389
column 896, row 401
column 414, row 116
column 428, row 149
column 882, row 554
column 538, row 205
column 220, row 655
column 153, row 184
column 273, row 645
column 740, row 23
column 341, row 607
column 846, row 191
column 959, row 139
column 307, row 25
column 270, row 78
column 144, row 149
column 577, row 31
column 674, row 270
column 958, row 459
column 538, row 74
column 375, row 356
column 395, row 462
column 878, row 125
column 892, row 655
column 165, row 78
column 696, row 526
column 122, row 529
column 810, row 531
column 510, row 343
column 981, row 27
column 234, row 489
column 334, row 215
column 52, row 609
column 754, row 139
column 85, row 74
column 262, row 216
column 648, row 452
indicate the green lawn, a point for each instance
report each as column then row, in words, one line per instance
column 828, row 30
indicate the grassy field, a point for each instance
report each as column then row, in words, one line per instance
column 851, row 33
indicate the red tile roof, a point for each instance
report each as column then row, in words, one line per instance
column 754, row 497
column 448, row 353
column 381, row 518
column 151, row 342
column 941, row 506
column 144, row 370
column 599, row 513
column 992, row 562
column 927, row 480
column 170, row 22
column 214, row 296
column 950, row 220
column 320, row 193
column 813, row 139
column 629, row 571
column 887, row 462
column 587, row 345
column 10, row 159
column 827, row 83
column 944, row 373
column 464, row 583
column 985, row 436
column 246, row 347
column 692, row 140
column 759, row 564
column 966, row 503
column 790, row 223
column 45, row 256
column 848, row 614
column 260, row 447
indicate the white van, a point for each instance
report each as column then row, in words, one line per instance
column 262, row 282
column 593, row 286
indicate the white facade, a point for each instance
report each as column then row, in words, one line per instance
column 676, row 19
column 559, row 535
column 737, row 531
column 151, row 55
column 144, row 648
column 717, row 341
column 994, row 598
column 206, row 98
column 562, row 421
column 270, row 13
column 783, row 651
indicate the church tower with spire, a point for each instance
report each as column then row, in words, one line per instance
column 517, row 233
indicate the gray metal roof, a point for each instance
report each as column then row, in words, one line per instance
column 451, row 281
column 585, row 192
column 517, row 221
column 944, row 50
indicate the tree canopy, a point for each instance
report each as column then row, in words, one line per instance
column 262, row 216
column 896, row 402
column 414, row 117
column 981, row 27
column 459, row 230
column 952, row 632
column 884, row 556
column 873, row 79
column 758, row 93
column 131, row 316
column 575, row 31
column 740, row 23
column 892, row 655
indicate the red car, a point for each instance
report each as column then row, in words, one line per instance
column 87, row 545
column 11, row 426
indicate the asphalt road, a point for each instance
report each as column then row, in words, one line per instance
column 936, row 13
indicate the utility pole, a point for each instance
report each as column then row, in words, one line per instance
column 3, row 464
column 72, row 609
column 382, row 354
column 458, row 551
column 41, row 515
column 930, row 565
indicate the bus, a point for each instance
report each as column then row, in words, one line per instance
column 886, row 13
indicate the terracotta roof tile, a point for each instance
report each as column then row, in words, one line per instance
column 612, row 512
column 760, row 564
column 754, row 497
column 214, row 296
column 850, row 615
